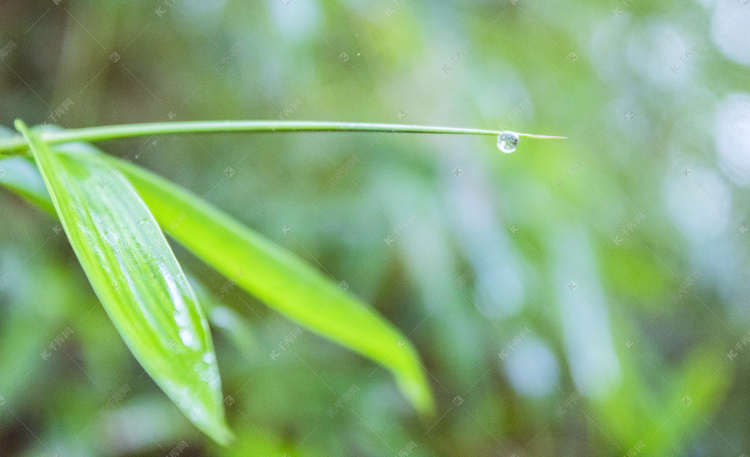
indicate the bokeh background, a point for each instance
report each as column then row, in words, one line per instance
column 578, row 297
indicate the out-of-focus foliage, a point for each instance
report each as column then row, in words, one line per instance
column 579, row 297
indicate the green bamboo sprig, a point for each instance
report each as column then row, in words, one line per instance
column 17, row 144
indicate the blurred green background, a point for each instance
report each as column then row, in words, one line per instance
column 578, row 297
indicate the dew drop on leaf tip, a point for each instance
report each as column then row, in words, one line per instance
column 507, row 142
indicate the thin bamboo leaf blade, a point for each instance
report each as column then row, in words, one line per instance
column 280, row 279
column 20, row 175
column 138, row 280
column 108, row 132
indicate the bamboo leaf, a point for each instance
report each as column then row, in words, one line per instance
column 274, row 275
column 138, row 280
column 20, row 175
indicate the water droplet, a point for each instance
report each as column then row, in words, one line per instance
column 143, row 222
column 507, row 142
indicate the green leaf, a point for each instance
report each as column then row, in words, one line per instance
column 19, row 174
column 280, row 279
column 137, row 279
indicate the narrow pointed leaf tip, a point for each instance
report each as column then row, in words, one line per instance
column 542, row 137
column 137, row 279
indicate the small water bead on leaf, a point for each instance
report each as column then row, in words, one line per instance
column 507, row 142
